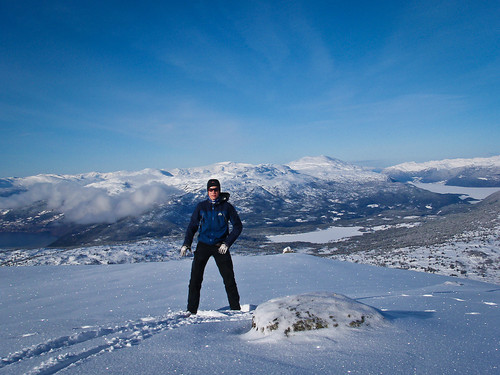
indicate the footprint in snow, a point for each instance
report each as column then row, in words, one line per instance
column 100, row 340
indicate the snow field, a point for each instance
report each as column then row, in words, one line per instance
column 130, row 319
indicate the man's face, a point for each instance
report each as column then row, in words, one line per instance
column 213, row 192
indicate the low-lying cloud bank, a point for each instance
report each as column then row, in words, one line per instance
column 88, row 205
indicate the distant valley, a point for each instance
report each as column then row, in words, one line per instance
column 120, row 209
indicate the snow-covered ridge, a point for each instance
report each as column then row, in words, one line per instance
column 412, row 166
column 149, row 203
column 324, row 167
column 112, row 182
column 106, row 197
column 477, row 172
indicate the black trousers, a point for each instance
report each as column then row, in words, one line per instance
column 224, row 263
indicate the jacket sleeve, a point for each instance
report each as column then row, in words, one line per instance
column 237, row 226
column 192, row 227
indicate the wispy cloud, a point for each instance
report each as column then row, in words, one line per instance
column 87, row 205
column 255, row 47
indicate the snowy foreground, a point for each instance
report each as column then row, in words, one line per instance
column 130, row 318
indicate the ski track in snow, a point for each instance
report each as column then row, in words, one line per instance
column 60, row 353
column 107, row 339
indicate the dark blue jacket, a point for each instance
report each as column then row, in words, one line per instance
column 212, row 220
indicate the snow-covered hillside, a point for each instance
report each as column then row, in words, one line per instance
column 193, row 179
column 474, row 255
column 465, row 244
column 330, row 169
column 493, row 161
column 483, row 172
column 97, row 208
column 130, row 319
column 106, row 197
column 138, row 186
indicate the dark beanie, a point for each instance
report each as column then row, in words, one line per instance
column 213, row 182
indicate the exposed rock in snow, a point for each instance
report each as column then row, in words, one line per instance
column 332, row 312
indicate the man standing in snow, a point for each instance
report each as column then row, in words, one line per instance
column 211, row 217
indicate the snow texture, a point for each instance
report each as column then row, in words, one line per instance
column 130, row 318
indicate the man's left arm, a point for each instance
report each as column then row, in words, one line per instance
column 234, row 218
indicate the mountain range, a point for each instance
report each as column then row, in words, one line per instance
column 312, row 192
column 477, row 172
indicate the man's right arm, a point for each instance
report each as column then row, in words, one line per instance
column 192, row 227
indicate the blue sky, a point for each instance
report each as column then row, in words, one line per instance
column 121, row 85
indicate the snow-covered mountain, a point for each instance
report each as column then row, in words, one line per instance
column 97, row 208
column 479, row 172
column 330, row 169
